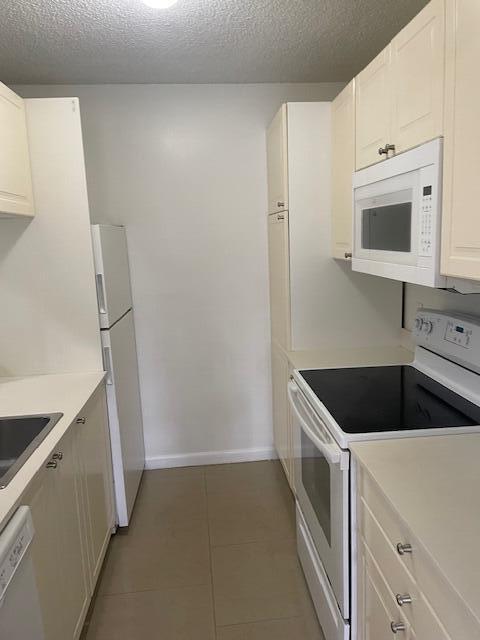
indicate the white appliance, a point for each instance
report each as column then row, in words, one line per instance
column 20, row 613
column 120, row 362
column 397, row 208
column 438, row 394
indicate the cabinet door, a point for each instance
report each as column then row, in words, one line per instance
column 41, row 497
column 73, row 563
column 372, row 110
column 417, row 71
column 279, row 271
column 277, row 162
column 16, row 195
column 461, row 186
column 58, row 554
column 281, row 423
column 97, row 485
column 343, row 166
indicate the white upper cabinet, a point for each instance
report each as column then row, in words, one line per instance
column 16, row 196
column 343, row 166
column 372, row 109
column 461, row 194
column 400, row 94
column 277, row 160
column 417, row 70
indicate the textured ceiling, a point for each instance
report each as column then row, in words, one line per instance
column 123, row 41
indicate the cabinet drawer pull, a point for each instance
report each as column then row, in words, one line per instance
column 80, row 420
column 397, row 626
column 52, row 464
column 280, row 204
column 385, row 150
column 403, row 599
column 404, row 548
column 57, row 456
column 280, row 216
column 348, row 254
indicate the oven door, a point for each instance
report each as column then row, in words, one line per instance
column 321, row 470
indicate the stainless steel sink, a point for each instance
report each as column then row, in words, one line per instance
column 19, row 437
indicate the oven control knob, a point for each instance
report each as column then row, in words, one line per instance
column 418, row 323
column 428, row 327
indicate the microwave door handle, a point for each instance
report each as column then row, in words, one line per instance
column 331, row 452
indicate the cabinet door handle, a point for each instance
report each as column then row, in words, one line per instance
column 80, row 420
column 57, row 456
column 52, row 464
column 397, row 626
column 280, row 216
column 385, row 150
column 280, row 204
column 404, row 548
column 403, row 599
column 348, row 255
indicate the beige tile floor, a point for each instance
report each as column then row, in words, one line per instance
column 210, row 555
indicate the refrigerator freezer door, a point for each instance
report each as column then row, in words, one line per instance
column 112, row 273
column 124, row 414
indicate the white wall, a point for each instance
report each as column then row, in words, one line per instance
column 183, row 168
column 48, row 318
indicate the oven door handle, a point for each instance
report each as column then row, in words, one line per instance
column 332, row 452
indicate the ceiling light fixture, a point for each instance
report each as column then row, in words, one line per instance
column 159, row 4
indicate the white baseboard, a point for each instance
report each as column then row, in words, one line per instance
column 210, row 457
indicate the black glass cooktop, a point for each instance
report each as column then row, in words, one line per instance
column 395, row 398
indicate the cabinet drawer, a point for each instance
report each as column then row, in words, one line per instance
column 388, row 520
column 377, row 608
column 382, row 529
column 400, row 583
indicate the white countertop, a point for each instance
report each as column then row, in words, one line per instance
column 65, row 393
column 434, row 484
column 340, row 357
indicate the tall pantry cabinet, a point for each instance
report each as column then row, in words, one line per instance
column 315, row 302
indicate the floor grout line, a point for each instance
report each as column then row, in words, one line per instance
column 210, row 554
column 242, row 624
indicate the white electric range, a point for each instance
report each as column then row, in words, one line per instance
column 438, row 394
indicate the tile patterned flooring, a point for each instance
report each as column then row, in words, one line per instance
column 210, row 555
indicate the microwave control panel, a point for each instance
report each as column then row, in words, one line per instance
column 426, row 223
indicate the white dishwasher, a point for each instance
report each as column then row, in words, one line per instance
column 20, row 615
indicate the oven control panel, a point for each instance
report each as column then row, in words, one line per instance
column 454, row 336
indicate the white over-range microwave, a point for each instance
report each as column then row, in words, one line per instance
column 397, row 206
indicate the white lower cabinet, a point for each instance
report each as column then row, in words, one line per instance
column 399, row 589
column 96, row 481
column 70, row 502
column 42, row 499
column 282, row 424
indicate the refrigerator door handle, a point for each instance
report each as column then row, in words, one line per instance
column 101, row 293
column 107, row 363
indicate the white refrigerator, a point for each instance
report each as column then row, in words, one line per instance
column 120, row 361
